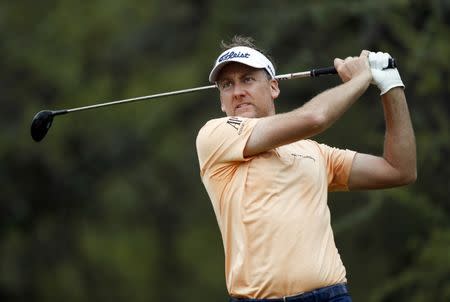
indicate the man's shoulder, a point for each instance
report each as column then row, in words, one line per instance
column 208, row 127
column 207, row 130
column 216, row 124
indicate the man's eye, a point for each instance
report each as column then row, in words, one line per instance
column 225, row 85
column 248, row 79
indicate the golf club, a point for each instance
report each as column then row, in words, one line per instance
column 42, row 121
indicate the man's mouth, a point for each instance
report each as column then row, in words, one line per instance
column 242, row 105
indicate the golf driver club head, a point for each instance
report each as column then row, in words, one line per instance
column 40, row 124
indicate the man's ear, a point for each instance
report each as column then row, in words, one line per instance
column 274, row 89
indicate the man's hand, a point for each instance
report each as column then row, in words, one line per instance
column 385, row 78
column 353, row 67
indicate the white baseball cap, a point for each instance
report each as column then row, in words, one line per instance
column 244, row 55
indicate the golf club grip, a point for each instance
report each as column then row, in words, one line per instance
column 325, row 70
column 331, row 70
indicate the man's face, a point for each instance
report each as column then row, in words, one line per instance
column 246, row 91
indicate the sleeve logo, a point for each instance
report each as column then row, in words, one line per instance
column 235, row 122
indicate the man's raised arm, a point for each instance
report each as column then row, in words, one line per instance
column 397, row 166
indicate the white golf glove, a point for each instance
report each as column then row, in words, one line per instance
column 385, row 78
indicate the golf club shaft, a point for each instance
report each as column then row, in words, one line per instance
column 303, row 74
column 306, row 74
column 288, row 76
column 146, row 97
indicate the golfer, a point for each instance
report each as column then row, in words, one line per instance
column 268, row 181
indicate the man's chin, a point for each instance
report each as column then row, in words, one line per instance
column 246, row 113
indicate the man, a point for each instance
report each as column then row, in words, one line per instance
column 268, row 182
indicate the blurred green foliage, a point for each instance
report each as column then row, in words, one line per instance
column 110, row 205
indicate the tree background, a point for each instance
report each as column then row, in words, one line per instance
column 110, row 206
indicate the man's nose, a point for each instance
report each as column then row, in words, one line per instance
column 238, row 89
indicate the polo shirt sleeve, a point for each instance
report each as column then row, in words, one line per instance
column 338, row 165
column 223, row 140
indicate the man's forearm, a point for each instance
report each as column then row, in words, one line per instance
column 399, row 144
column 316, row 115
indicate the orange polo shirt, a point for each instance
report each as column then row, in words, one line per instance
column 272, row 209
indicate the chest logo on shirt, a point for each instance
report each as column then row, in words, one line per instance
column 234, row 122
column 303, row 156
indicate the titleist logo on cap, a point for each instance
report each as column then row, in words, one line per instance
column 231, row 55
